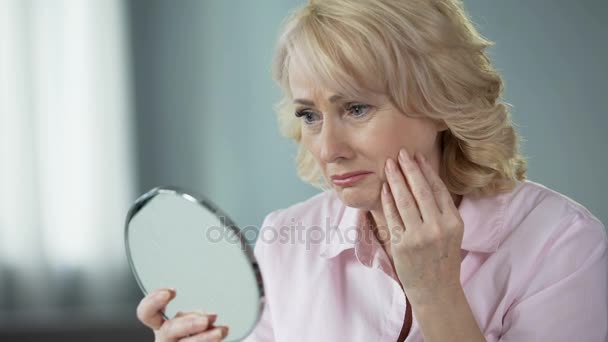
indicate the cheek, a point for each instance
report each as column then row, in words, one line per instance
column 313, row 149
column 411, row 134
column 386, row 143
column 308, row 144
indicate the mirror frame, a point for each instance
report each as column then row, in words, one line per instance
column 206, row 204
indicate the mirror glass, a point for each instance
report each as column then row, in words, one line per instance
column 180, row 240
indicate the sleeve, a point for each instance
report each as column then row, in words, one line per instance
column 263, row 331
column 566, row 299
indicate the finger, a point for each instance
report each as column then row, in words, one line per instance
column 192, row 324
column 442, row 196
column 404, row 200
column 215, row 334
column 420, row 187
column 149, row 310
column 391, row 214
column 199, row 313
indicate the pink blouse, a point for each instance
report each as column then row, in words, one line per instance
column 535, row 268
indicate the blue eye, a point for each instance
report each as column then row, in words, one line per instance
column 359, row 110
column 307, row 114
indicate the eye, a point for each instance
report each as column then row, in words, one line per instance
column 309, row 116
column 358, row 109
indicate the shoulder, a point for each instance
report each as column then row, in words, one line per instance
column 536, row 196
column 553, row 259
column 550, row 236
column 544, row 212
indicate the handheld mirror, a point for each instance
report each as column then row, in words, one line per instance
column 179, row 240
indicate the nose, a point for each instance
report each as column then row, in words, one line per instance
column 334, row 142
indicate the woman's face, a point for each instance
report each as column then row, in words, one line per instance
column 358, row 135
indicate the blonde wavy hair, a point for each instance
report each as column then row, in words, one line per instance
column 429, row 59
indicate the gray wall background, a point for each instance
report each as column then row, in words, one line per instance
column 204, row 97
column 204, row 100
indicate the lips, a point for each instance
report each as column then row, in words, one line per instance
column 348, row 175
column 349, row 179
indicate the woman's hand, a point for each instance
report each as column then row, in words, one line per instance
column 184, row 327
column 425, row 226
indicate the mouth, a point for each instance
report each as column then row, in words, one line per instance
column 350, row 178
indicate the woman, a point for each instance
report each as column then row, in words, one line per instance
column 397, row 112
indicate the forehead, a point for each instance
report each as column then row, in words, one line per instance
column 304, row 83
column 304, row 86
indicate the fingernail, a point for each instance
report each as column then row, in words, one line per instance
column 404, row 156
column 420, row 157
column 389, row 165
column 225, row 328
column 173, row 292
column 203, row 321
column 162, row 295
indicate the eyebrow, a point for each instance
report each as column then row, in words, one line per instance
column 332, row 99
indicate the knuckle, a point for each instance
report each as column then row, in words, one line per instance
column 424, row 193
column 454, row 222
column 416, row 243
column 169, row 329
column 398, row 245
column 159, row 336
column 430, row 236
column 435, row 228
column 436, row 187
column 198, row 322
column 139, row 312
column 142, row 310
column 406, row 202
column 384, row 234
column 191, row 323
column 434, row 233
column 428, row 239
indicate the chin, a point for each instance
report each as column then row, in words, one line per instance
column 361, row 197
